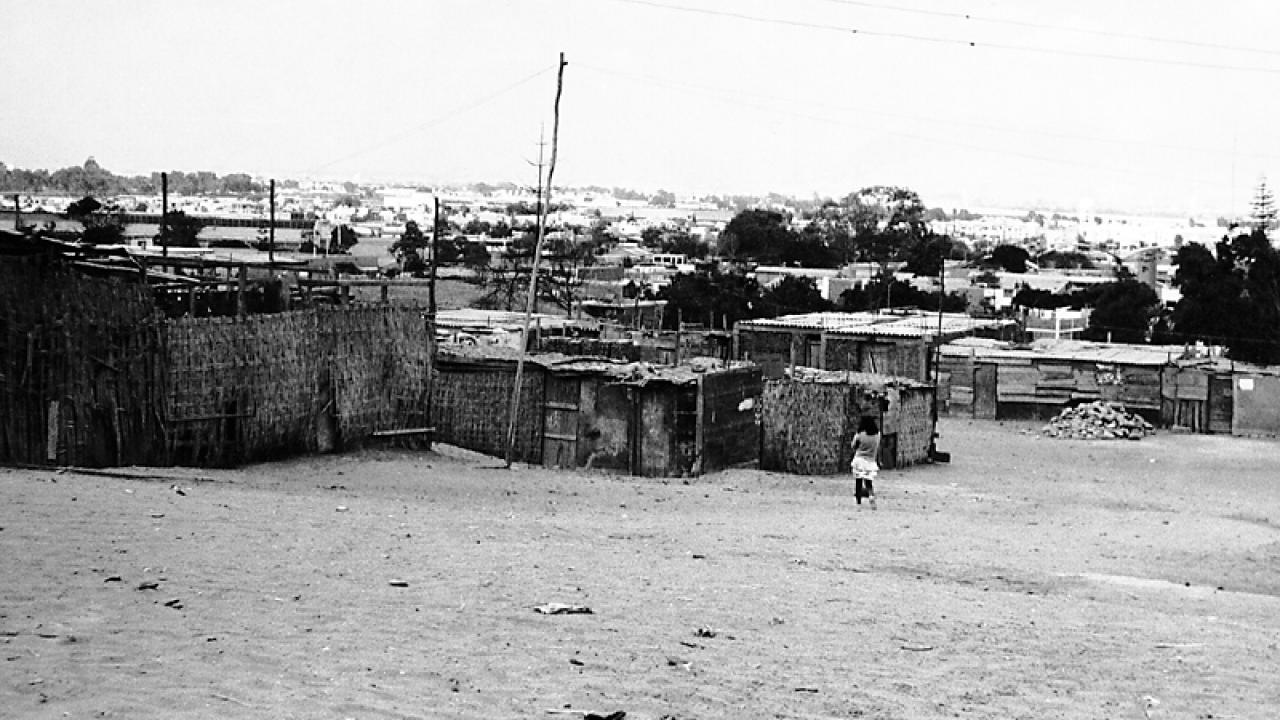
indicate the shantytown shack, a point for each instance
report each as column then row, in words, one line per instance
column 579, row 412
column 899, row 343
column 810, row 417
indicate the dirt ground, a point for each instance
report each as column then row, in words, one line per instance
column 1028, row 578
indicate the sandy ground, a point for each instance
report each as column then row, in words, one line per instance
column 1029, row 578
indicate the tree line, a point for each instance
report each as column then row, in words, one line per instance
column 94, row 180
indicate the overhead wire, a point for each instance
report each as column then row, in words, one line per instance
column 952, row 41
column 1031, row 24
column 782, row 107
column 947, row 120
column 454, row 112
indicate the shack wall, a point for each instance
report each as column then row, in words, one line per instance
column 304, row 381
column 1256, row 403
column 82, row 379
column 605, row 442
column 471, row 403
column 729, row 418
column 769, row 349
column 808, row 427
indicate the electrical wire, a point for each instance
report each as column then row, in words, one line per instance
column 956, row 15
column 1121, row 170
column 952, row 41
column 435, row 120
column 947, row 121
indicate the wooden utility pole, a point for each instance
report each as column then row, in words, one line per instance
column 164, row 214
column 533, row 270
column 271, row 227
column 435, row 248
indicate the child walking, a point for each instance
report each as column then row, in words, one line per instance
column 865, row 467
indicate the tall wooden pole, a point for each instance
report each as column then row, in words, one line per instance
column 164, row 214
column 435, row 248
column 271, row 227
column 533, row 270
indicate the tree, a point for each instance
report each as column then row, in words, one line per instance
column 1065, row 260
column 1231, row 297
column 793, row 295
column 1262, row 209
column 101, row 225
column 408, row 249
column 662, row 198
column 342, row 238
column 183, row 230
column 716, row 298
column 651, row 236
column 756, row 235
column 876, row 294
column 449, row 250
column 1123, row 312
column 500, row 230
column 1010, row 258
column 475, row 257
column 680, row 242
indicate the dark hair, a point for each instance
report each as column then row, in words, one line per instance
column 868, row 425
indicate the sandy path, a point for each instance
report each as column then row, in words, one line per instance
column 1029, row 578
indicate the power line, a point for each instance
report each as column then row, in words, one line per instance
column 783, row 107
column 952, row 41
column 1049, row 26
column 435, row 120
column 948, row 121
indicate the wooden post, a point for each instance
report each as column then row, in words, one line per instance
column 435, row 248
column 271, row 228
column 533, row 271
column 679, row 328
column 164, row 214
column 242, row 286
column 17, row 212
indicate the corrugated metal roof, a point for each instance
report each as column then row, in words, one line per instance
column 875, row 381
column 636, row 373
column 473, row 318
column 884, row 324
column 1079, row 350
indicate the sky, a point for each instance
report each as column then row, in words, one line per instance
column 1082, row 105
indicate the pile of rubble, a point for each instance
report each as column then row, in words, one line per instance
column 1098, row 420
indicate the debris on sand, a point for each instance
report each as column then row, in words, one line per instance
column 1098, row 420
column 562, row 609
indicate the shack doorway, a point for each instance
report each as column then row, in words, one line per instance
column 984, row 391
column 560, row 430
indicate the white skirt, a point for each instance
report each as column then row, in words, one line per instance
column 864, row 468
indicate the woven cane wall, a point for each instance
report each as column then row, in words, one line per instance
column 269, row 385
column 80, row 378
column 805, row 426
column 471, row 405
column 913, row 422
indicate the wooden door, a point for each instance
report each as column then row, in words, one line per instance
column 984, row 391
column 560, row 428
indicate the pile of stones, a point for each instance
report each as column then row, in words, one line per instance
column 1098, row 420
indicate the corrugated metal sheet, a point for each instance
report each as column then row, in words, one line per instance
column 1067, row 350
column 917, row 325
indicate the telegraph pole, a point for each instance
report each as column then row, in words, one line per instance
column 164, row 214
column 435, row 248
column 533, row 270
column 271, row 227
